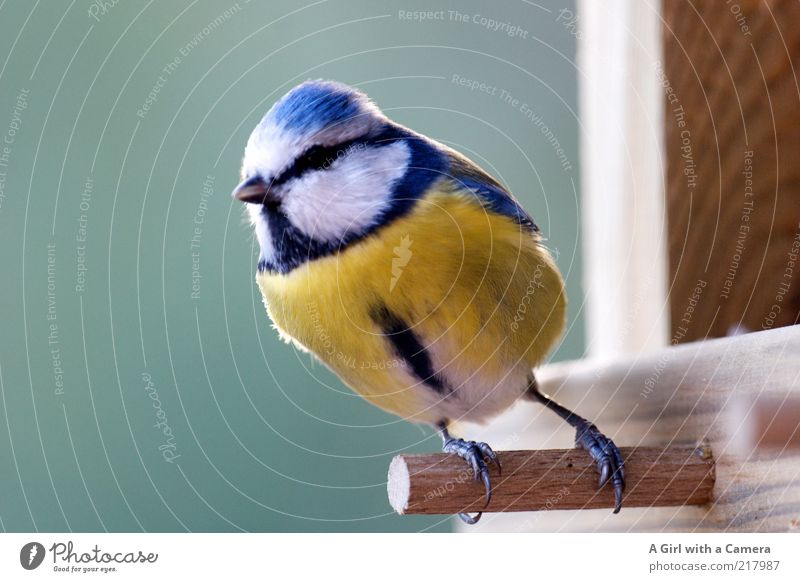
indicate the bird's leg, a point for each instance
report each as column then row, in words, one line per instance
column 601, row 448
column 474, row 454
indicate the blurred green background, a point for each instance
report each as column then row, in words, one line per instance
column 142, row 387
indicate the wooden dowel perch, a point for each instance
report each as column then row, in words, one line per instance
column 550, row 479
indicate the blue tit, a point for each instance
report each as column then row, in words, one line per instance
column 409, row 271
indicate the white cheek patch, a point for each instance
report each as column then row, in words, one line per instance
column 349, row 196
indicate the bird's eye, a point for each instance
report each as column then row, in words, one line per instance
column 316, row 158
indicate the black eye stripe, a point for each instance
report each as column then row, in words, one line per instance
column 320, row 157
column 315, row 158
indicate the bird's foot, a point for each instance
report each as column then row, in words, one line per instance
column 607, row 457
column 474, row 454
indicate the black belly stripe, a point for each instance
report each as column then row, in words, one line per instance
column 407, row 345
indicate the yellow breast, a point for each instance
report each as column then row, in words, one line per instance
column 482, row 295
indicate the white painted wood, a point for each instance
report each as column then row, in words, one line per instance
column 740, row 393
column 623, row 228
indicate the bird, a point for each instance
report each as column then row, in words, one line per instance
column 404, row 267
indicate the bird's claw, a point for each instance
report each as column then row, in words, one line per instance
column 606, row 456
column 474, row 454
column 491, row 455
column 468, row 519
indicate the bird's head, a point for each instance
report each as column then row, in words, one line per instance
column 320, row 169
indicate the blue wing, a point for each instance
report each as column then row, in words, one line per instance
column 468, row 176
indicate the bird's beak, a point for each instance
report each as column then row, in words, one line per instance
column 254, row 190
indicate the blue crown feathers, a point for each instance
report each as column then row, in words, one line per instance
column 314, row 105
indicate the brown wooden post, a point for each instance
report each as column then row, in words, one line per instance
column 550, row 479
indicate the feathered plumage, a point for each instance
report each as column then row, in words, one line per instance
column 403, row 266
